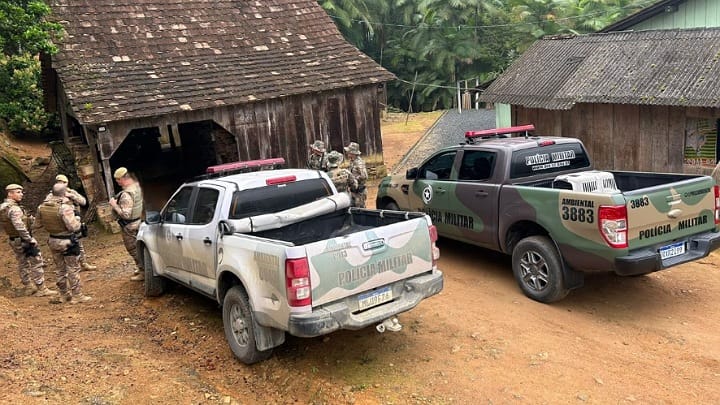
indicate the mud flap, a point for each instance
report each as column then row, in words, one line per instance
column 573, row 279
column 266, row 338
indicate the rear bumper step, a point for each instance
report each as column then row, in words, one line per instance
column 336, row 316
column 647, row 260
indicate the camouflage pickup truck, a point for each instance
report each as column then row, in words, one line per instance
column 282, row 251
column 539, row 200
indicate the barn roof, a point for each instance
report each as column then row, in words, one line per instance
column 126, row 59
column 663, row 67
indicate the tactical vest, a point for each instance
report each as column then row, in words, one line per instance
column 136, row 194
column 5, row 220
column 339, row 177
column 52, row 220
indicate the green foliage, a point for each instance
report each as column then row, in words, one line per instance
column 24, row 33
column 446, row 41
column 21, row 95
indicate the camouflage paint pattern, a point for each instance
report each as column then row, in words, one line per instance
column 345, row 266
column 656, row 215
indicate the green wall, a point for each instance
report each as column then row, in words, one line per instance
column 690, row 14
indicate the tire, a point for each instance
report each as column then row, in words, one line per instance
column 239, row 324
column 391, row 206
column 537, row 268
column 154, row 285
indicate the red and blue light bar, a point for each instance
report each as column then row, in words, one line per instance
column 499, row 131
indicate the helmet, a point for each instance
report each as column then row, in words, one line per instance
column 352, row 148
column 334, row 159
column 318, row 146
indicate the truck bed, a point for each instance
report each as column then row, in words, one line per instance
column 334, row 224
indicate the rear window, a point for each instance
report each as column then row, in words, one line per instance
column 278, row 197
column 548, row 159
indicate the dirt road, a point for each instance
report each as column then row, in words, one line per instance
column 642, row 340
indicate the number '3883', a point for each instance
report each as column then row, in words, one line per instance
column 639, row 202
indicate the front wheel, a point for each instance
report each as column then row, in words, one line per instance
column 154, row 285
column 239, row 325
column 537, row 267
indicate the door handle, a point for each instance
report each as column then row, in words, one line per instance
column 207, row 241
column 441, row 191
column 178, row 236
column 481, row 193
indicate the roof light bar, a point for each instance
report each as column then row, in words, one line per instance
column 499, row 131
column 248, row 164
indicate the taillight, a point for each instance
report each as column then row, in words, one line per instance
column 717, row 204
column 297, row 282
column 433, row 247
column 613, row 225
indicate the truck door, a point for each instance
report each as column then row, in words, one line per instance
column 475, row 203
column 200, row 238
column 432, row 188
column 170, row 238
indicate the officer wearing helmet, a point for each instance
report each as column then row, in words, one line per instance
column 17, row 225
column 317, row 159
column 357, row 168
column 77, row 201
column 343, row 179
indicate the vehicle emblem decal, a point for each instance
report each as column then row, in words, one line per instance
column 427, row 194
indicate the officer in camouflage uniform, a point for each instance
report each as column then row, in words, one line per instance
column 357, row 168
column 343, row 179
column 17, row 225
column 78, row 201
column 57, row 214
column 128, row 205
column 317, row 159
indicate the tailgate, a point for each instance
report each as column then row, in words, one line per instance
column 364, row 260
column 670, row 213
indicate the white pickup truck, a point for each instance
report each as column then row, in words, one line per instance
column 282, row 251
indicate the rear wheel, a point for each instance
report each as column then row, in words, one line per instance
column 537, row 267
column 240, row 325
column 154, row 285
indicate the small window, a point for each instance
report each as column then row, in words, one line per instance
column 477, row 165
column 438, row 167
column 548, row 159
column 204, row 211
column 279, row 197
column 176, row 210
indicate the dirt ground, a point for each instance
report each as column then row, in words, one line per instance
column 641, row 340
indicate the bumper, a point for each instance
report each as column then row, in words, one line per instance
column 648, row 260
column 335, row 316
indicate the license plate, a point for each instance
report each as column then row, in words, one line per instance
column 676, row 249
column 373, row 298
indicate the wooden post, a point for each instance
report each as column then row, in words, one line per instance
column 412, row 94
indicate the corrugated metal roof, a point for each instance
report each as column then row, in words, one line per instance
column 663, row 67
column 136, row 58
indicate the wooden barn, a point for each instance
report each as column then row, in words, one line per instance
column 169, row 87
column 644, row 100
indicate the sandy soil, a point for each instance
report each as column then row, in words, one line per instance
column 642, row 340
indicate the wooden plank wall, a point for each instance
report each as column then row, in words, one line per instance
column 276, row 128
column 622, row 136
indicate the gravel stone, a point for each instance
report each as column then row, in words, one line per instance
column 448, row 130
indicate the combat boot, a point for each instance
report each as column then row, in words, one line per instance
column 139, row 276
column 79, row 298
column 85, row 266
column 43, row 291
column 28, row 290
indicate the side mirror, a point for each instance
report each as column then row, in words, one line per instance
column 152, row 217
column 226, row 228
column 411, row 174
